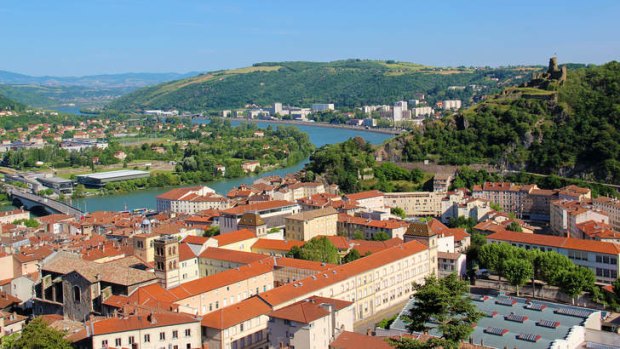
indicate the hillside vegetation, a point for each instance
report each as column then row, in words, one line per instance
column 571, row 130
column 347, row 83
column 9, row 104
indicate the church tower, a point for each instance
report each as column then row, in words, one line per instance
column 167, row 261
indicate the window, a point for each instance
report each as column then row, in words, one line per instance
column 77, row 294
column 104, row 343
column 188, row 332
column 175, row 334
column 131, row 340
column 162, row 336
column 147, row 338
column 117, row 342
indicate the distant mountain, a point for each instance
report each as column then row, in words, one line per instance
column 105, row 80
column 350, row 83
column 83, row 91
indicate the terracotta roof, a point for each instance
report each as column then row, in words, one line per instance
column 240, row 257
column 354, row 340
column 309, row 310
column 6, row 300
column 309, row 285
column 195, row 240
column 234, row 314
column 364, row 195
column 302, row 264
column 388, row 224
column 185, row 252
column 458, row 233
column 557, row 242
column 598, row 230
column 313, row 214
column 215, row 281
column 257, row 207
column 276, row 245
column 137, row 322
column 33, row 254
column 177, row 193
column 234, row 236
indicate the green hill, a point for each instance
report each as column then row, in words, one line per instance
column 9, row 104
column 571, row 129
column 346, row 83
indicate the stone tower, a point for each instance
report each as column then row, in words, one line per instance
column 167, row 260
column 424, row 233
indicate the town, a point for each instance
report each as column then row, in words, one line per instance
column 287, row 262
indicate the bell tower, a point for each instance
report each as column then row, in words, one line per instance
column 167, row 261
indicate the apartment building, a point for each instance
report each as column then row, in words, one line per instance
column 566, row 215
column 600, row 257
column 8, row 217
column 144, row 331
column 306, row 225
column 442, row 181
column 216, row 260
column 191, row 200
column 299, row 190
column 373, row 284
column 271, row 212
column 310, row 323
column 611, row 207
column 371, row 200
column 420, row 203
column 349, row 225
column 527, row 201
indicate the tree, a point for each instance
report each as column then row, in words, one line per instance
column 496, row 207
column 576, row 280
column 380, row 236
column 616, row 285
column 492, row 256
column 212, row 231
column 445, row 302
column 358, row 235
column 319, row 249
column 397, row 211
column 351, row 256
column 518, row 272
column 514, row 226
column 37, row 335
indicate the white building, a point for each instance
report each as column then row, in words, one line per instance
column 319, row 107
column 452, row 104
column 422, row 111
column 191, row 200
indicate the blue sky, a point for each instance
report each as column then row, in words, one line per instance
column 79, row 37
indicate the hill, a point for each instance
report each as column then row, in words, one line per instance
column 550, row 126
column 83, row 91
column 9, row 104
column 346, row 83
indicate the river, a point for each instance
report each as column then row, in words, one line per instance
column 146, row 198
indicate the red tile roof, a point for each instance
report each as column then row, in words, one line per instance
column 309, row 285
column 240, row 257
column 354, row 340
column 309, row 310
column 137, row 322
column 234, row 236
column 557, row 242
column 185, row 252
column 364, row 195
column 276, row 245
column 257, row 207
column 386, row 224
column 234, row 314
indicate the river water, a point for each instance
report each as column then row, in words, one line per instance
column 146, row 198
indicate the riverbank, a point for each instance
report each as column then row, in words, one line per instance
column 388, row 131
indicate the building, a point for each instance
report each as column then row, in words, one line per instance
column 191, row 200
column 250, row 166
column 306, row 225
column 146, row 330
column 167, row 260
column 349, row 225
column 611, row 207
column 318, row 107
column 566, row 215
column 371, row 200
column 100, row 179
column 420, row 203
column 422, row 111
column 442, row 181
column 451, row 104
column 59, row 185
column 8, row 217
column 309, row 323
column 600, row 257
column 271, row 212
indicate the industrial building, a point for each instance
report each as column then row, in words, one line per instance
column 98, row 180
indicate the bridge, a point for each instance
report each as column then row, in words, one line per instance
column 31, row 201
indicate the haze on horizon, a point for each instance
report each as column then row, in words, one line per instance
column 73, row 38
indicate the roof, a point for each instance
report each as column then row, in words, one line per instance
column 215, row 281
column 177, row 193
column 185, row 252
column 354, row 340
column 234, row 314
column 426, row 229
column 302, row 264
column 65, row 263
column 313, row 214
column 251, row 219
column 136, row 322
column 364, row 195
column 276, row 245
column 114, row 174
column 257, row 207
column 240, row 257
column 309, row 310
column 234, row 236
column 311, row 284
column 557, row 242
column 385, row 224
column 458, row 233
column 7, row 300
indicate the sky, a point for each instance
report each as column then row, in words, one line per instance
column 78, row 37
